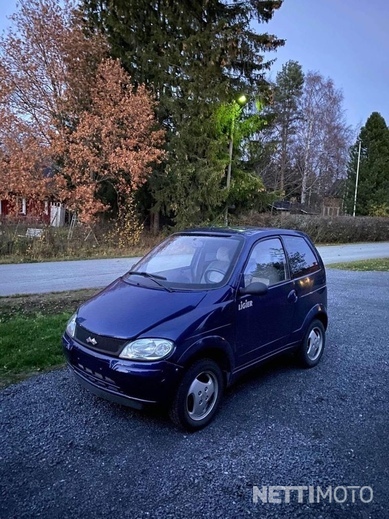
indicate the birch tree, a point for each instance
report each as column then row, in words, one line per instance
column 322, row 139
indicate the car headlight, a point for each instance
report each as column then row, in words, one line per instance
column 147, row 349
column 71, row 326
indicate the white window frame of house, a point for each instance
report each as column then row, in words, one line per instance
column 22, row 206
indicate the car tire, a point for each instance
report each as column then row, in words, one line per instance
column 198, row 396
column 312, row 347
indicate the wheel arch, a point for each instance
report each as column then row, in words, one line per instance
column 317, row 312
column 323, row 317
column 214, row 348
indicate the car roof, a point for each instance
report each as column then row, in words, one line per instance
column 246, row 231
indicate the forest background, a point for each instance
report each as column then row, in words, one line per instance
column 162, row 115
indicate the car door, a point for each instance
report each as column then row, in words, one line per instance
column 264, row 322
column 308, row 274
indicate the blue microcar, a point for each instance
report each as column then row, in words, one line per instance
column 199, row 310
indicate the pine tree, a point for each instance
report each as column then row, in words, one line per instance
column 284, row 114
column 373, row 181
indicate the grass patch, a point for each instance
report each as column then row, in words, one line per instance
column 45, row 304
column 76, row 255
column 380, row 264
column 30, row 345
column 30, row 332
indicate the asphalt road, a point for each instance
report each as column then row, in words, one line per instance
column 66, row 454
column 35, row 278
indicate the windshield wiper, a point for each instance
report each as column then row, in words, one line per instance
column 146, row 274
column 154, row 277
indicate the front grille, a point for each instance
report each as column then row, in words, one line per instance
column 102, row 344
column 96, row 378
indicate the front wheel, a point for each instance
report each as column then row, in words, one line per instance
column 312, row 347
column 198, row 395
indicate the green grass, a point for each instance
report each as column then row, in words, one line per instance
column 381, row 264
column 31, row 327
column 30, row 345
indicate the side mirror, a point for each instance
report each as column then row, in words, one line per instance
column 256, row 289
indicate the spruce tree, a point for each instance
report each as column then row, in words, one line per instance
column 193, row 56
column 373, row 181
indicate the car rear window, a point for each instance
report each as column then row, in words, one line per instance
column 302, row 259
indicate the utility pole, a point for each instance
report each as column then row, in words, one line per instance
column 357, row 177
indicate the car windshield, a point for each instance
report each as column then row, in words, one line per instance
column 188, row 261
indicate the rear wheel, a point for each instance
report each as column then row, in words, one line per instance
column 312, row 347
column 198, row 395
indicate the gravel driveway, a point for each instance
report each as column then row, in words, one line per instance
column 66, row 454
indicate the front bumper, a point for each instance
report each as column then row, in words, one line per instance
column 125, row 382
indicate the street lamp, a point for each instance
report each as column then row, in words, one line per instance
column 241, row 101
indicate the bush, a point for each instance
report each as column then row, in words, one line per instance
column 109, row 240
column 325, row 229
column 61, row 243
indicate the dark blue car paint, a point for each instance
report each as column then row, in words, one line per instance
column 128, row 311
column 238, row 331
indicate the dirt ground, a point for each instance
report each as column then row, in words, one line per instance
column 48, row 304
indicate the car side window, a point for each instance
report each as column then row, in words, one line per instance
column 302, row 259
column 266, row 263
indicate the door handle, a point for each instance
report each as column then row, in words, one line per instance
column 292, row 296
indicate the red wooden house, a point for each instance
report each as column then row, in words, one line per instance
column 43, row 212
column 40, row 212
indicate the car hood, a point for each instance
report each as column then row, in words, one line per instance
column 126, row 311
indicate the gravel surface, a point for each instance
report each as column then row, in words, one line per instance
column 67, row 454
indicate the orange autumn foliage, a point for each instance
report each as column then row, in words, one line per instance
column 45, row 60
column 21, row 163
column 115, row 142
column 64, row 108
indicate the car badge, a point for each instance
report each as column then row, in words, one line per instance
column 91, row 340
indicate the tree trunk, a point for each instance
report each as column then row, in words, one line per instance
column 306, row 159
column 154, row 222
